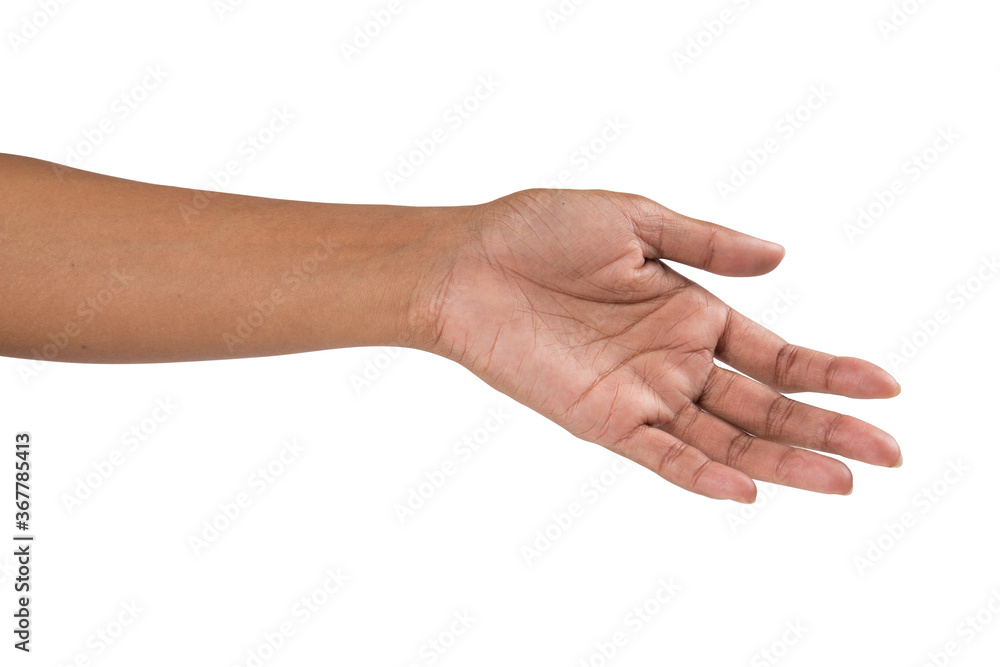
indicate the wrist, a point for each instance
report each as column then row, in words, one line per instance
column 444, row 246
column 365, row 275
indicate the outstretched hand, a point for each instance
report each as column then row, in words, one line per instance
column 559, row 299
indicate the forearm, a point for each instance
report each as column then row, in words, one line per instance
column 100, row 269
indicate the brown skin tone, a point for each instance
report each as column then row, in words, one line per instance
column 556, row 298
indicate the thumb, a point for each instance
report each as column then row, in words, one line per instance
column 703, row 245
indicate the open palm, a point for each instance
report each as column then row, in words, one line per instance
column 560, row 301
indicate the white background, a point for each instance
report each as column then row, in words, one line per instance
column 860, row 586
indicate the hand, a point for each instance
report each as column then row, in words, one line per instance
column 559, row 300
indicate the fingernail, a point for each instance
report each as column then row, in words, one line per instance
column 777, row 246
column 899, row 388
column 898, row 463
column 850, row 492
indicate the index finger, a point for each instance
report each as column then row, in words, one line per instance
column 765, row 356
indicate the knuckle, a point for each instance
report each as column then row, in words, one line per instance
column 698, row 473
column 682, row 420
column 668, row 459
column 784, row 362
column 710, row 247
column 829, row 371
column 833, row 426
column 718, row 385
column 786, row 464
column 779, row 413
column 738, row 449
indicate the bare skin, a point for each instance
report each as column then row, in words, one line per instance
column 559, row 299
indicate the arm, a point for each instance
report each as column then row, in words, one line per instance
column 121, row 271
column 560, row 299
